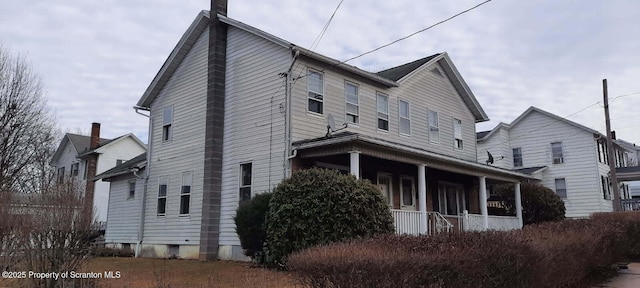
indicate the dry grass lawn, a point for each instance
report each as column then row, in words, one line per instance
column 165, row 273
column 143, row 272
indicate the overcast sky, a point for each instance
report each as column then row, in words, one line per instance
column 96, row 58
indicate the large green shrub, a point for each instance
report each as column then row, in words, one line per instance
column 539, row 203
column 250, row 225
column 320, row 206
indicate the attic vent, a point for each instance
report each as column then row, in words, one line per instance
column 437, row 72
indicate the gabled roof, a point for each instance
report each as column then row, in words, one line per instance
column 484, row 135
column 386, row 78
column 531, row 170
column 136, row 163
column 80, row 143
column 103, row 146
column 556, row 117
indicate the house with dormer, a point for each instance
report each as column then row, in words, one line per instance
column 234, row 110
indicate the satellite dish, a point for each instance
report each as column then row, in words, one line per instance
column 331, row 125
column 490, row 160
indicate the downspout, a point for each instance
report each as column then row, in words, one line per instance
column 287, row 122
column 146, row 181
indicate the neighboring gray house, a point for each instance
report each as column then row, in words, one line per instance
column 569, row 158
column 75, row 152
column 234, row 110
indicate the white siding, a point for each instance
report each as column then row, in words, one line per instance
column 186, row 92
column 423, row 90
column 498, row 144
column 124, row 212
column 254, row 123
column 535, row 133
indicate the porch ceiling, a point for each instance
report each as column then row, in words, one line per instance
column 628, row 173
column 346, row 142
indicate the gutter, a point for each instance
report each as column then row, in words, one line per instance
column 146, row 181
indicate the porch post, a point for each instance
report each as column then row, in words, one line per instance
column 422, row 198
column 354, row 163
column 483, row 202
column 519, row 204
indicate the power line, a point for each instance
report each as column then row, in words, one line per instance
column 625, row 95
column 400, row 39
column 316, row 42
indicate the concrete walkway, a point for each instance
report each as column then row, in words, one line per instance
column 627, row 278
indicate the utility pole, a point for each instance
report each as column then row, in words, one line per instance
column 610, row 154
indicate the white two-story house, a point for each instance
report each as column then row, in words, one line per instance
column 569, row 158
column 71, row 161
column 234, row 110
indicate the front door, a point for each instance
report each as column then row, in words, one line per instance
column 384, row 184
column 452, row 198
column 407, row 193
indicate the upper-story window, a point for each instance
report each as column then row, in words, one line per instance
column 405, row 117
column 316, row 91
column 457, row 133
column 517, row 157
column 434, row 130
column 383, row 111
column 556, row 153
column 351, row 98
column 167, row 121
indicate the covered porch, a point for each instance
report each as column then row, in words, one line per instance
column 629, row 174
column 428, row 193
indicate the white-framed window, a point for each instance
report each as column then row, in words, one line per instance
column 404, row 113
column 245, row 182
column 132, row 190
column 556, row 153
column 185, row 193
column 382, row 102
column 167, row 122
column 352, row 109
column 606, row 191
column 561, row 187
column 75, row 167
column 86, row 169
column 517, row 157
column 457, row 133
column 434, row 130
column 316, row 91
column 61, row 175
column 163, row 183
column 407, row 193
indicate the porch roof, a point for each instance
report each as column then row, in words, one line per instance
column 628, row 173
column 344, row 142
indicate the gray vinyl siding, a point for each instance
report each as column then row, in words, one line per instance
column 423, row 90
column 535, row 133
column 498, row 144
column 186, row 92
column 124, row 213
column 254, row 124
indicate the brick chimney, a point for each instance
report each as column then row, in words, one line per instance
column 214, row 123
column 92, row 165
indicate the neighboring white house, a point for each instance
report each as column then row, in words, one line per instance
column 234, row 110
column 569, row 158
column 76, row 151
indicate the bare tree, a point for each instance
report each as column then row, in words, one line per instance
column 27, row 128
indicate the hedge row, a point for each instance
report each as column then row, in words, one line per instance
column 569, row 253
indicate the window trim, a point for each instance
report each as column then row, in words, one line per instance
column 131, row 196
column 378, row 95
column 413, row 193
column 455, row 138
column 75, row 169
column 347, row 103
column 322, row 93
column 162, row 179
column 241, row 185
column 407, row 118
column 513, row 151
column 188, row 194
column 167, row 127
column 389, row 177
column 437, row 126
column 553, row 157
column 564, row 180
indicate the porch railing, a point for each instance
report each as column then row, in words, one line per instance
column 408, row 222
column 630, row 204
column 475, row 222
